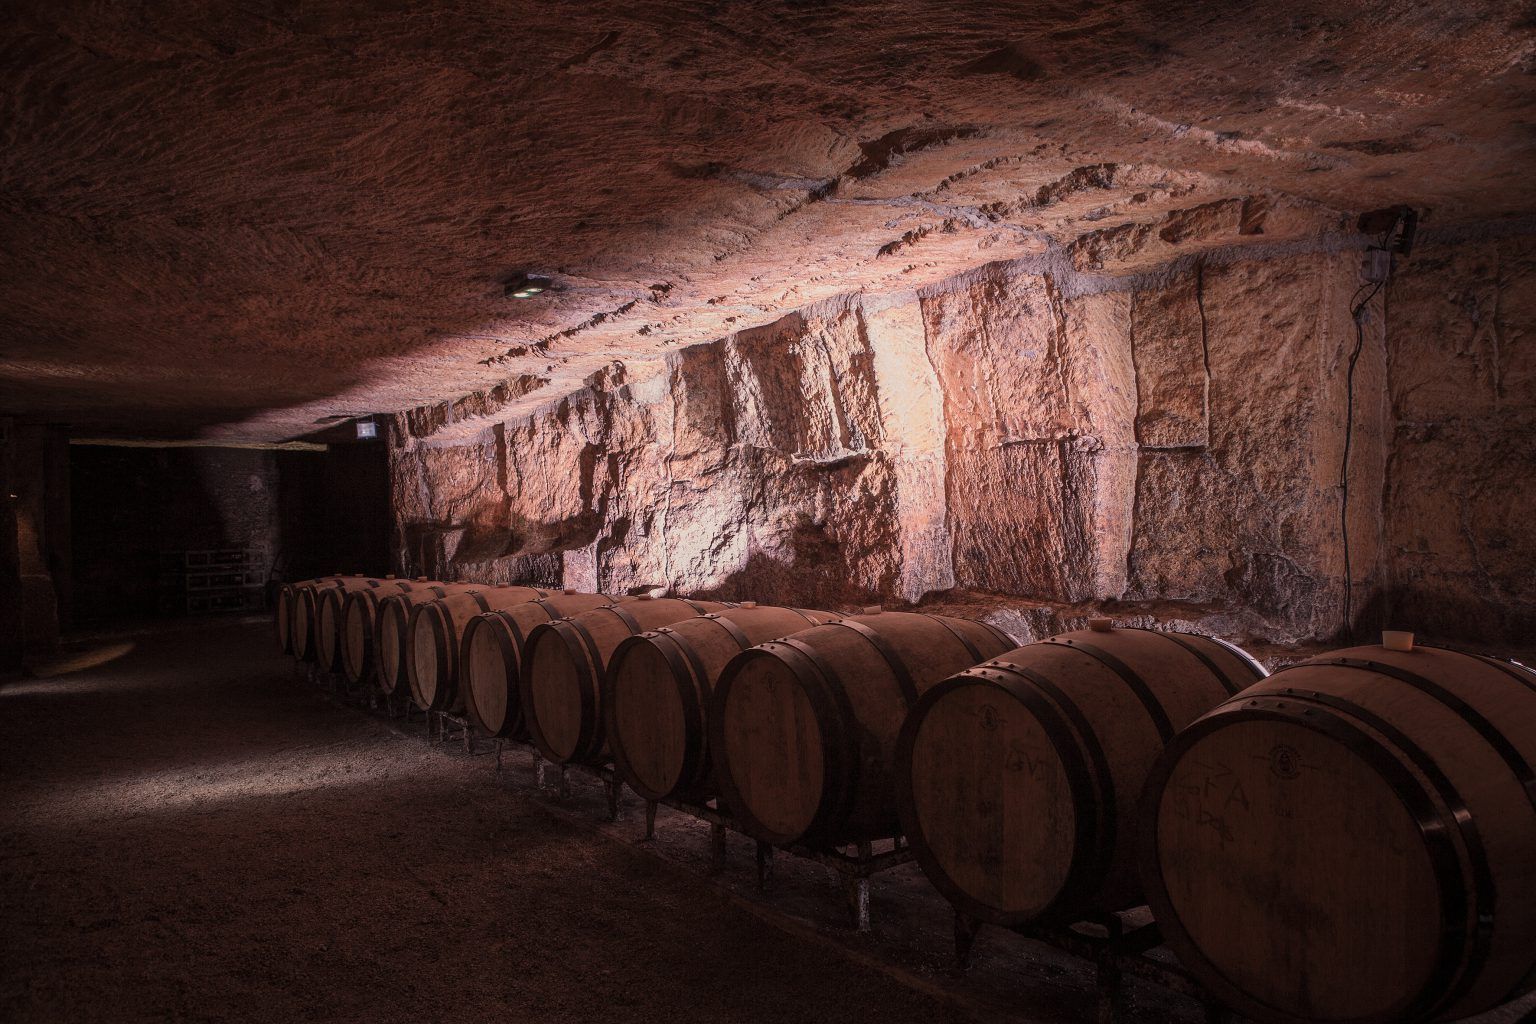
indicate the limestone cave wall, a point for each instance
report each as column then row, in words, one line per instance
column 1034, row 443
column 1460, row 502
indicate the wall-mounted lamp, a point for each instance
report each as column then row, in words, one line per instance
column 1397, row 226
column 525, row 286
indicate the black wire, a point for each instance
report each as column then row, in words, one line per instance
column 1349, row 436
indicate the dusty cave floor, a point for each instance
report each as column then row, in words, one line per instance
column 193, row 833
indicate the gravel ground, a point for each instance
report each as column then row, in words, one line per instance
column 191, row 832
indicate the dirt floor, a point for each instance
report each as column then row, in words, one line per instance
column 192, row 832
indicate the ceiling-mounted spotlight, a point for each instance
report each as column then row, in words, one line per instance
column 525, row 286
column 367, row 429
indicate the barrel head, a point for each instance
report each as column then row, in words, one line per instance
column 489, row 676
column 989, row 802
column 774, row 748
column 557, row 693
column 1296, row 871
column 355, row 642
column 647, row 718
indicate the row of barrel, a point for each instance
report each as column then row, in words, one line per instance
column 1352, row 838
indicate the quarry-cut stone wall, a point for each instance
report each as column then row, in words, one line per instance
column 1460, row 502
column 1040, row 442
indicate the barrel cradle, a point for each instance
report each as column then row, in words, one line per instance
column 491, row 658
column 358, row 624
column 564, row 663
column 658, row 687
column 391, row 633
column 803, row 730
column 1018, row 779
column 436, row 631
column 1354, row 839
column 306, row 607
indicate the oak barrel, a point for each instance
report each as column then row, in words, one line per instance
column 1018, row 779
column 282, row 611
column 491, row 658
column 1354, row 839
column 391, row 632
column 658, row 687
column 287, row 604
column 436, row 633
column 331, row 616
column 356, row 623
column 306, row 608
column 803, row 730
column 564, row 663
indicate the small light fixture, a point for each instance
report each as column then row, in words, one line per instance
column 525, row 286
column 367, row 430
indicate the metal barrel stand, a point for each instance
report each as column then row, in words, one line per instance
column 1117, row 955
column 543, row 770
column 441, row 724
column 853, row 870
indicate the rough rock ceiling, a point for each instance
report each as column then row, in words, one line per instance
column 238, row 219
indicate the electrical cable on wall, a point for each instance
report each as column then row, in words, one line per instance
column 1380, row 262
column 1356, row 313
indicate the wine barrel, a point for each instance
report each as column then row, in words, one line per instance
column 491, row 658
column 286, row 604
column 391, row 632
column 563, row 667
column 803, row 730
column 282, row 610
column 658, row 687
column 1018, row 779
column 306, row 608
column 329, row 604
column 1354, row 839
column 356, row 622
column 437, row 633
